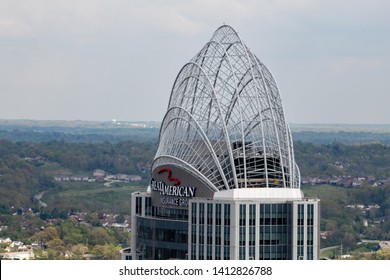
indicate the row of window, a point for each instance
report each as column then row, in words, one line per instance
column 271, row 224
column 159, row 212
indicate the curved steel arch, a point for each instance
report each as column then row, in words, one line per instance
column 199, row 130
column 231, row 101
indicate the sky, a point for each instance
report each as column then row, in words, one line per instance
column 100, row 60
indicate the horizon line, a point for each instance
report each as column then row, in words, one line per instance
column 155, row 121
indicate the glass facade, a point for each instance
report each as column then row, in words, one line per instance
column 264, row 231
column 300, row 229
column 161, row 233
column 310, row 231
column 306, row 227
column 210, row 234
column 252, row 231
column 275, row 231
column 161, row 239
column 224, row 230
column 242, row 232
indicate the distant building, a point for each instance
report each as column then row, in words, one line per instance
column 122, row 177
column 61, row 178
column 79, row 178
column 135, row 178
column 127, row 178
column 99, row 173
column 225, row 185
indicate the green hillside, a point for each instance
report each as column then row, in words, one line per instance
column 352, row 181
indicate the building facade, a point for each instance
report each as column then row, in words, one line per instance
column 224, row 184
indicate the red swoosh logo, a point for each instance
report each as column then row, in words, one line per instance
column 177, row 182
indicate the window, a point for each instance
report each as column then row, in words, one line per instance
column 227, row 214
column 218, row 214
column 209, row 214
column 138, row 205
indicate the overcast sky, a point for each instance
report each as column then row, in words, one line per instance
column 118, row 59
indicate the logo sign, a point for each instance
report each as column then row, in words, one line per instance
column 170, row 178
column 173, row 195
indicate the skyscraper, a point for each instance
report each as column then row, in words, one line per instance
column 224, row 184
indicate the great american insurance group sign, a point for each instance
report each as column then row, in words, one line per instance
column 172, row 195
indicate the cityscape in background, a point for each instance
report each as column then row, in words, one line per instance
column 346, row 166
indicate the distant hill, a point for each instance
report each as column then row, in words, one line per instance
column 78, row 131
column 341, row 133
column 33, row 152
column 375, row 128
column 117, row 131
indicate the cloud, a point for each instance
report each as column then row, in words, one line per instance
column 40, row 17
column 99, row 49
column 77, row 18
column 72, row 17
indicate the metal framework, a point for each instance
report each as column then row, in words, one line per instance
column 225, row 122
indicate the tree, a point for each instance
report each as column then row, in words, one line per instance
column 56, row 249
column 49, row 239
column 78, row 251
column 106, row 252
column 348, row 240
column 100, row 236
column 46, row 235
column 73, row 238
column 383, row 254
column 93, row 219
column 72, row 233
